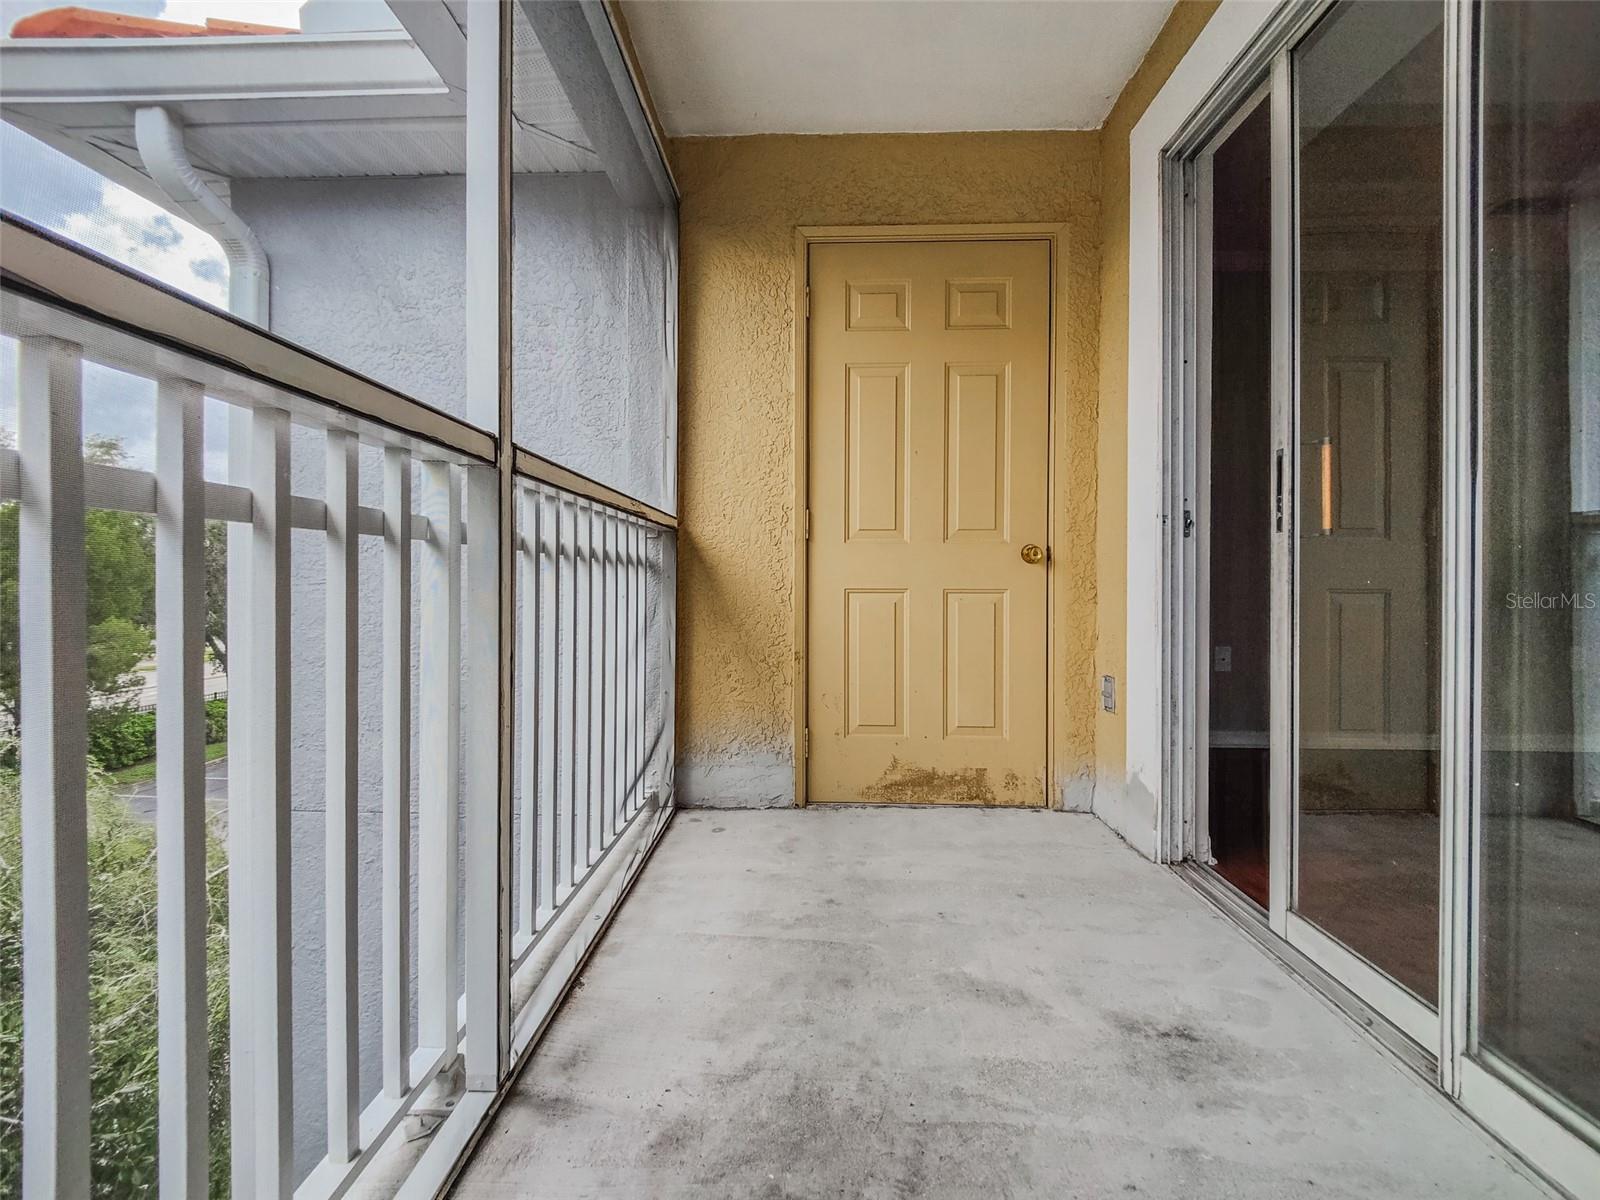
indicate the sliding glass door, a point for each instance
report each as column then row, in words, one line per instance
column 1389, row 253
column 1369, row 153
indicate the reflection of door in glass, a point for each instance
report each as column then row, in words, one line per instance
column 1369, row 87
column 1236, row 512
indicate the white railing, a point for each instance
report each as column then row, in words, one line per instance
column 410, row 530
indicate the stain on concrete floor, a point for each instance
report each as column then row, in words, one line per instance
column 954, row 1003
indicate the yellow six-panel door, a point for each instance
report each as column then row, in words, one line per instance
column 929, row 433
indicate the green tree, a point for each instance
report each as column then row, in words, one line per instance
column 119, row 557
column 217, row 593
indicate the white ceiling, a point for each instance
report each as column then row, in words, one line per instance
column 719, row 67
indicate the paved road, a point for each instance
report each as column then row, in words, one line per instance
column 215, row 683
column 141, row 797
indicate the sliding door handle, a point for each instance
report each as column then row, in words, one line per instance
column 1278, row 502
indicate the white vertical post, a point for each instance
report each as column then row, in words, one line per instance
column 637, row 682
column 549, row 651
column 341, row 810
column 619, row 589
column 583, row 665
column 600, row 631
column 491, row 654
column 567, row 563
column 529, row 556
column 241, row 801
column 396, row 771
column 629, row 718
column 51, row 578
column 181, row 905
column 613, row 717
column 625, row 666
column 266, row 678
column 438, row 759
column 488, row 844
column 667, row 664
column 640, row 671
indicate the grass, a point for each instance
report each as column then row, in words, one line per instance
column 143, row 771
column 124, row 1089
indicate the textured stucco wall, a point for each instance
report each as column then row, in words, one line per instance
column 742, row 200
column 1111, row 550
column 372, row 273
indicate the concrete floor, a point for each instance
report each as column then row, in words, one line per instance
column 954, row 1003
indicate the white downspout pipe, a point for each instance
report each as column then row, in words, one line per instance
column 159, row 137
column 160, row 141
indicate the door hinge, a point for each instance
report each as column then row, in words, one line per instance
column 808, row 743
column 808, row 299
column 808, row 524
column 1188, row 523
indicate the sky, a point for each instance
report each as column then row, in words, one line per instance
column 53, row 190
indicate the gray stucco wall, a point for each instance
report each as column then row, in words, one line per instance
column 371, row 273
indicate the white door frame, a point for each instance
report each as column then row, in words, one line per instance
column 1054, row 233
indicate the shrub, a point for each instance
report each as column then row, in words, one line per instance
column 216, row 720
column 122, row 997
column 121, row 736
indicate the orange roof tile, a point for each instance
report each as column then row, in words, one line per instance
column 75, row 22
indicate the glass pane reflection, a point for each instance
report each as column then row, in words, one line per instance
column 1369, row 87
column 1539, row 964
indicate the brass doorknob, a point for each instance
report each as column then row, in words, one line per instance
column 1032, row 553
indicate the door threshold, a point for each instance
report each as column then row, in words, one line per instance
column 1243, row 912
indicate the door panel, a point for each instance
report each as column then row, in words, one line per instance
column 929, row 432
column 1366, row 536
column 1233, row 483
column 875, row 451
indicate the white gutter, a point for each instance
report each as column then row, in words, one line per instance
column 160, row 140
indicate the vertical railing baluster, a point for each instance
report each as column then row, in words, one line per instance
column 641, row 659
column 582, row 718
column 624, row 667
column 51, row 581
column 549, row 657
column 614, row 717
column 488, row 833
column 396, row 771
column 241, row 801
column 625, row 626
column 599, row 631
column 634, row 654
column 528, row 597
column 613, row 676
column 439, row 758
column 342, row 599
column 567, row 566
column 181, row 906
column 267, row 681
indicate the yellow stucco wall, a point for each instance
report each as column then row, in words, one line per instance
column 1111, row 553
column 742, row 201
